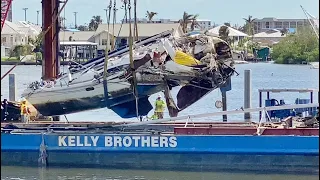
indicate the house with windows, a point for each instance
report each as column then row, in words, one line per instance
column 12, row 35
column 77, row 45
column 270, row 23
column 270, row 37
column 120, row 32
column 234, row 34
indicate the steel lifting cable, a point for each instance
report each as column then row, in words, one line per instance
column 105, row 71
column 41, row 36
column 135, row 92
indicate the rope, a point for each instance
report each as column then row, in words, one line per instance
column 43, row 153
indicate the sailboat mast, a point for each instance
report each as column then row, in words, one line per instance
column 311, row 24
column 135, row 21
column 113, row 24
column 105, row 70
column 51, row 65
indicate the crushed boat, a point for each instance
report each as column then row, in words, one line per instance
column 199, row 63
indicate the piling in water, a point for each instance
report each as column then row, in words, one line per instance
column 12, row 87
column 247, row 93
column 224, row 105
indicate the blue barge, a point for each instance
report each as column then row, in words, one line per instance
column 285, row 153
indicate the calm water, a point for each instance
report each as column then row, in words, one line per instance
column 264, row 75
column 16, row 173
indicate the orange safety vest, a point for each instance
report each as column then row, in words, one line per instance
column 24, row 109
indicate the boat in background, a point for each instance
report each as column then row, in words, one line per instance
column 314, row 65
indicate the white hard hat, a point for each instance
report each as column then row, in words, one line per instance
column 159, row 96
column 23, row 99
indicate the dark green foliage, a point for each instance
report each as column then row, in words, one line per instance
column 297, row 48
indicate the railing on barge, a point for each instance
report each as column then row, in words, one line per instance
column 168, row 125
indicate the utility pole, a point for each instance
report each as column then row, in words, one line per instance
column 25, row 13
column 38, row 17
column 75, row 19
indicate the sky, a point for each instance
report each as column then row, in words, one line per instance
column 218, row 11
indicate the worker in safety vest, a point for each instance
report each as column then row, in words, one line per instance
column 24, row 111
column 159, row 107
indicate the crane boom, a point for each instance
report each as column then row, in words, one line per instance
column 5, row 6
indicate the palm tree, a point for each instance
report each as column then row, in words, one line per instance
column 150, row 15
column 224, row 33
column 194, row 22
column 249, row 25
column 94, row 23
column 83, row 28
column 186, row 19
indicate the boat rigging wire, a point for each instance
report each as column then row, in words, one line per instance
column 135, row 91
column 41, row 35
column 312, row 24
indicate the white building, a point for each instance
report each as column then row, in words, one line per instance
column 121, row 32
column 14, row 34
column 204, row 24
column 269, row 37
column 235, row 34
column 78, row 45
column 269, row 23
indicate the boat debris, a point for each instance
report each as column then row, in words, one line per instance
column 198, row 63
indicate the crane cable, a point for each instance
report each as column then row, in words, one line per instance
column 41, row 35
column 105, row 71
column 135, row 92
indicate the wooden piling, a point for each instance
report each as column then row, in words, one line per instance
column 247, row 93
column 12, row 87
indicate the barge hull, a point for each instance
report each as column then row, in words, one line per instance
column 169, row 161
column 295, row 154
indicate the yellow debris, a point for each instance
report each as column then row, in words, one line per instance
column 185, row 59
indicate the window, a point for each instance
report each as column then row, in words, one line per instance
column 267, row 25
column 300, row 24
column 3, row 40
column 286, row 24
column 278, row 25
column 293, row 25
column 104, row 41
column 11, row 40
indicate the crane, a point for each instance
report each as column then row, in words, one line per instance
column 5, row 6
